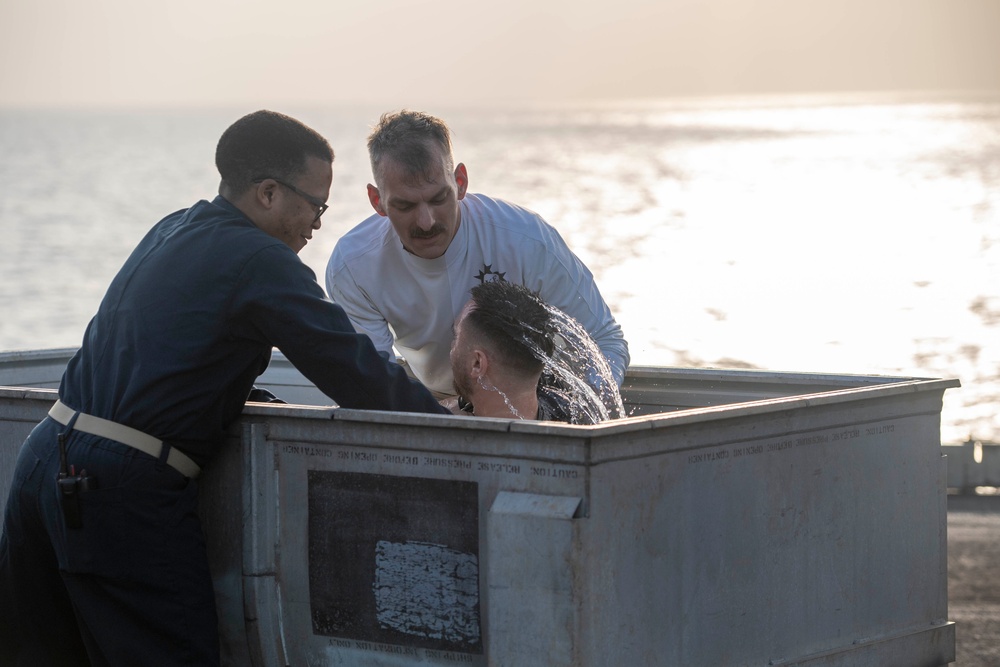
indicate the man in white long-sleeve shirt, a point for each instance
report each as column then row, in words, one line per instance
column 404, row 274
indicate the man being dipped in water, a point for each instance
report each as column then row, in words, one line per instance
column 514, row 356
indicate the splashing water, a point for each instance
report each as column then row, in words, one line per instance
column 578, row 369
column 576, row 377
column 576, row 383
column 506, row 399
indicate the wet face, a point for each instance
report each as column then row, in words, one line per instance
column 295, row 204
column 423, row 208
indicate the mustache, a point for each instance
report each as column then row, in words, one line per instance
column 417, row 233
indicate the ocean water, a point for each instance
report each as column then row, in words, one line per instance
column 838, row 234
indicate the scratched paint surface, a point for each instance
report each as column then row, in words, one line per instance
column 427, row 590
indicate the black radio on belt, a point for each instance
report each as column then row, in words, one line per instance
column 71, row 485
column 70, row 488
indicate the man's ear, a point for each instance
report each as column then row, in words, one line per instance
column 376, row 200
column 263, row 193
column 461, row 180
column 480, row 363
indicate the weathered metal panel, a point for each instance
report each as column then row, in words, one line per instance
column 770, row 548
column 533, row 594
column 34, row 368
column 18, row 415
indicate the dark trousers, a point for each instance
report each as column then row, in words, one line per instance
column 131, row 586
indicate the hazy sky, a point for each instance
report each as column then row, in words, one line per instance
column 400, row 52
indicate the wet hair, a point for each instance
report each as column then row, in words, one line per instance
column 515, row 322
column 406, row 137
column 266, row 144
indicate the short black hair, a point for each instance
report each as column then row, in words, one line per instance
column 515, row 321
column 266, row 144
column 404, row 137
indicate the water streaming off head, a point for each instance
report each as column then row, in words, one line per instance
column 506, row 399
column 575, row 375
column 539, row 350
column 578, row 368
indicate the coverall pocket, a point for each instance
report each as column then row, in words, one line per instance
column 28, row 479
column 126, row 529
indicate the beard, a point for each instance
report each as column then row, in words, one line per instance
column 463, row 387
column 462, row 381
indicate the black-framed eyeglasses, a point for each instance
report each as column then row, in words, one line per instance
column 321, row 206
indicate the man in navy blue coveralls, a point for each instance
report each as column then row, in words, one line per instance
column 183, row 331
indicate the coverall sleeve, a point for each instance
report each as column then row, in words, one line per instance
column 283, row 301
